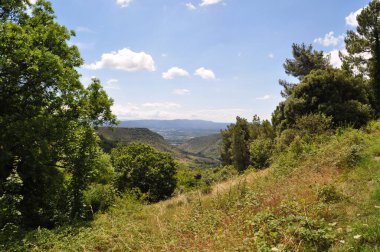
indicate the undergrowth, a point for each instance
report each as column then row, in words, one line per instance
column 320, row 194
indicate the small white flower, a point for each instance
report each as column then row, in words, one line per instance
column 377, row 207
column 342, row 241
column 357, row 237
column 275, row 249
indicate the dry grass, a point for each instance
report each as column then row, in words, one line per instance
column 218, row 221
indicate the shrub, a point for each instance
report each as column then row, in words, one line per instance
column 287, row 227
column 100, row 197
column 329, row 194
column 143, row 167
column 261, row 150
column 10, row 215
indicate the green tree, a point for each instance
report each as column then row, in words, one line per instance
column 139, row 166
column 240, row 144
column 305, row 60
column 236, row 140
column 331, row 92
column 46, row 115
column 225, row 149
column 363, row 47
column 260, row 152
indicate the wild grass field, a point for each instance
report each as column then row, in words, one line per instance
column 318, row 196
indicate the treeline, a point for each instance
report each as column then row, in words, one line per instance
column 324, row 98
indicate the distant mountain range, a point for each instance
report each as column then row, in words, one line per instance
column 178, row 131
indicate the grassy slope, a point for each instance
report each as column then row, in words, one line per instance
column 207, row 146
column 111, row 136
column 278, row 208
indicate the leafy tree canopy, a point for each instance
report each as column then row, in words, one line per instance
column 46, row 115
column 363, row 47
column 331, row 92
column 139, row 166
column 304, row 60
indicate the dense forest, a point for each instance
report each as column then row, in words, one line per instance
column 58, row 183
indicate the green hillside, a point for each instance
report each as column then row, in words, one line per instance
column 207, row 146
column 110, row 137
column 323, row 196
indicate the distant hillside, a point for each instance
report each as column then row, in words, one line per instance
column 110, row 137
column 177, row 132
column 207, row 146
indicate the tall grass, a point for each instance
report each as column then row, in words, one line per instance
column 318, row 195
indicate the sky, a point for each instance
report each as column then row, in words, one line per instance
column 199, row 59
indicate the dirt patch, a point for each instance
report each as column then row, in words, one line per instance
column 377, row 158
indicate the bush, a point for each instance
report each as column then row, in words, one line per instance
column 329, row 194
column 288, row 227
column 261, row 151
column 143, row 167
column 100, row 197
column 313, row 124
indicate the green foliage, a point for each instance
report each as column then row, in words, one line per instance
column 287, row 227
column 189, row 179
column 329, row 194
column 236, row 141
column 103, row 171
column 46, row 115
column 305, row 60
column 10, row 215
column 331, row 92
column 363, row 42
column 313, row 124
column 111, row 137
column 207, row 146
column 240, row 144
column 100, row 197
column 261, row 151
column 143, row 167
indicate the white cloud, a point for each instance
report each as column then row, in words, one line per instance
column 32, row 1
column 209, row 2
column 123, row 3
column 112, row 84
column 126, row 60
column 161, row 105
column 190, row 6
column 351, row 19
column 335, row 60
column 329, row 39
column 174, row 72
column 265, row 97
column 271, row 56
column 205, row 74
column 181, row 91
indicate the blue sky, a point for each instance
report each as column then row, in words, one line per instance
column 199, row 59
